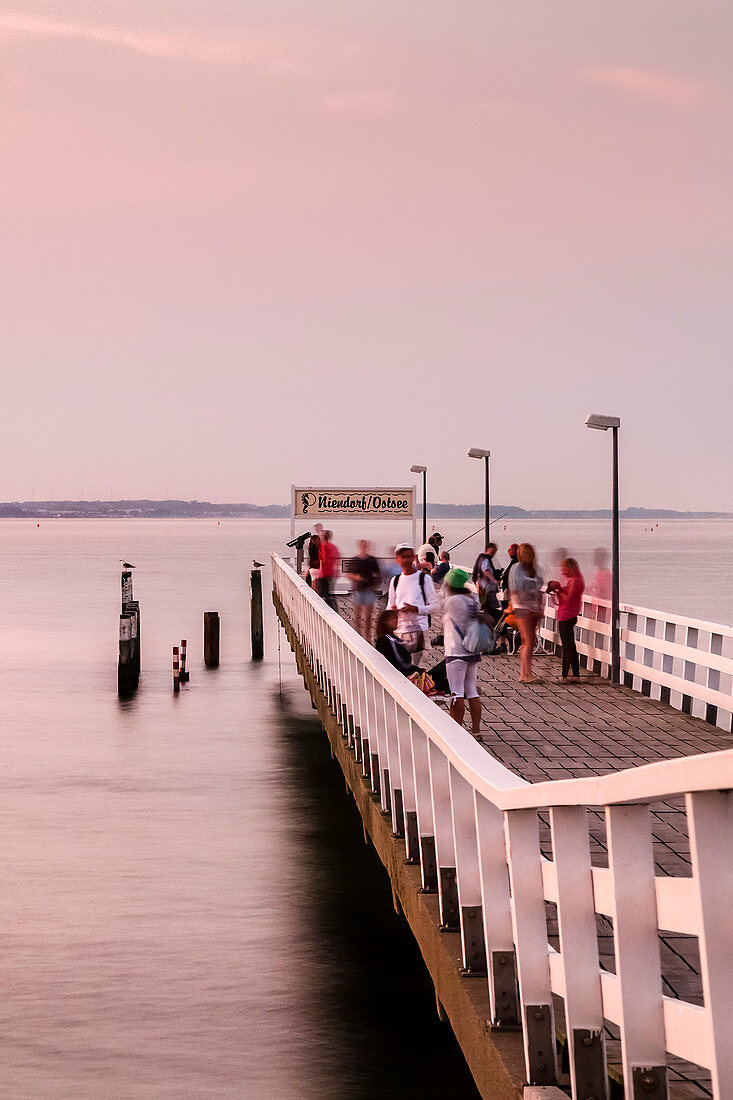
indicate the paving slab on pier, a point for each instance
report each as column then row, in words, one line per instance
column 551, row 731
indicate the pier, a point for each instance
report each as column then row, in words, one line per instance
column 570, row 888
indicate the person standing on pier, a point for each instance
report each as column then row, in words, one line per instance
column 313, row 574
column 570, row 605
column 365, row 574
column 412, row 593
column 525, row 590
column 460, row 606
column 329, row 557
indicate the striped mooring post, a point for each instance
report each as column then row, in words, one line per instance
column 185, row 676
column 128, row 664
column 176, row 671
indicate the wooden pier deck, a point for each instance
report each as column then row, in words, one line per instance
column 551, row 731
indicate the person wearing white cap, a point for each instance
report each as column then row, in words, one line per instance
column 412, row 593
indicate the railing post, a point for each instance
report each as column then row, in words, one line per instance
column 393, row 766
column 407, row 780
column 469, row 881
column 710, row 821
column 530, row 936
column 636, row 940
column 579, row 948
column 445, row 849
column 423, row 803
column 497, row 913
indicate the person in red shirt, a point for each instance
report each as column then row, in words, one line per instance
column 570, row 605
column 329, row 557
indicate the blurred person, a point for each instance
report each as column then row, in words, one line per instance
column 329, row 557
column 603, row 580
column 505, row 573
column 431, row 547
column 412, row 593
column 313, row 574
column 365, row 574
column 460, row 606
column 441, row 568
column 570, row 605
column 390, row 646
column 486, row 578
column 525, row 592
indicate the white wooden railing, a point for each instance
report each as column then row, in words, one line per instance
column 474, row 826
column 687, row 663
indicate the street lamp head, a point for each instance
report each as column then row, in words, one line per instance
column 418, row 469
column 477, row 452
column 602, row 423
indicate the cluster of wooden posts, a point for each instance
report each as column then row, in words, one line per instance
column 128, row 665
column 128, row 668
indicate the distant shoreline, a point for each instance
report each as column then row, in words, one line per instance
column 195, row 509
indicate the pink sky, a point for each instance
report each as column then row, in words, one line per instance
column 247, row 244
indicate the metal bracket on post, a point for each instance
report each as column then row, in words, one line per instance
column 591, row 1076
column 474, row 946
column 428, row 864
column 449, row 900
column 650, row 1082
column 375, row 775
column 413, row 840
column 540, row 1044
column 399, row 814
column 506, row 998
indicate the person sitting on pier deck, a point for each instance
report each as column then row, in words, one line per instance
column 440, row 570
column 390, row 646
column 412, row 593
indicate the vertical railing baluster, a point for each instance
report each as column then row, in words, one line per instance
column 710, row 822
column 424, row 805
column 445, row 849
column 579, row 948
column 497, row 914
column 409, row 804
column 636, row 940
column 463, row 814
column 393, row 765
column 530, row 937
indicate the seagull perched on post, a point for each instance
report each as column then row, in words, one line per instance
column 258, row 564
column 126, row 564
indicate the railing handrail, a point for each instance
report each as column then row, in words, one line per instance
column 503, row 787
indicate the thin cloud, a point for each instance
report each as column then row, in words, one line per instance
column 254, row 48
column 381, row 102
column 650, row 84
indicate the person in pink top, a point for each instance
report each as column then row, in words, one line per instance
column 329, row 557
column 570, row 604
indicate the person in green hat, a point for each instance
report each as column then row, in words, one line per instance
column 460, row 606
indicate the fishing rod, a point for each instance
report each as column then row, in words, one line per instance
column 496, row 520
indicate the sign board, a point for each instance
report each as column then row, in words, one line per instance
column 310, row 503
column 392, row 503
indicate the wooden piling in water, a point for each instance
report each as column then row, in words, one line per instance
column 176, row 671
column 185, row 676
column 126, row 675
column 211, row 639
column 258, row 646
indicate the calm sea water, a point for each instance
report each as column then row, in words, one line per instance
column 187, row 905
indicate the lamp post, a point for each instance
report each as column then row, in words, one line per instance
column 424, row 471
column 477, row 452
column 603, row 423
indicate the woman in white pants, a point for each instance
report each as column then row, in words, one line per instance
column 460, row 606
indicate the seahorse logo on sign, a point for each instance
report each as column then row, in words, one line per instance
column 307, row 500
